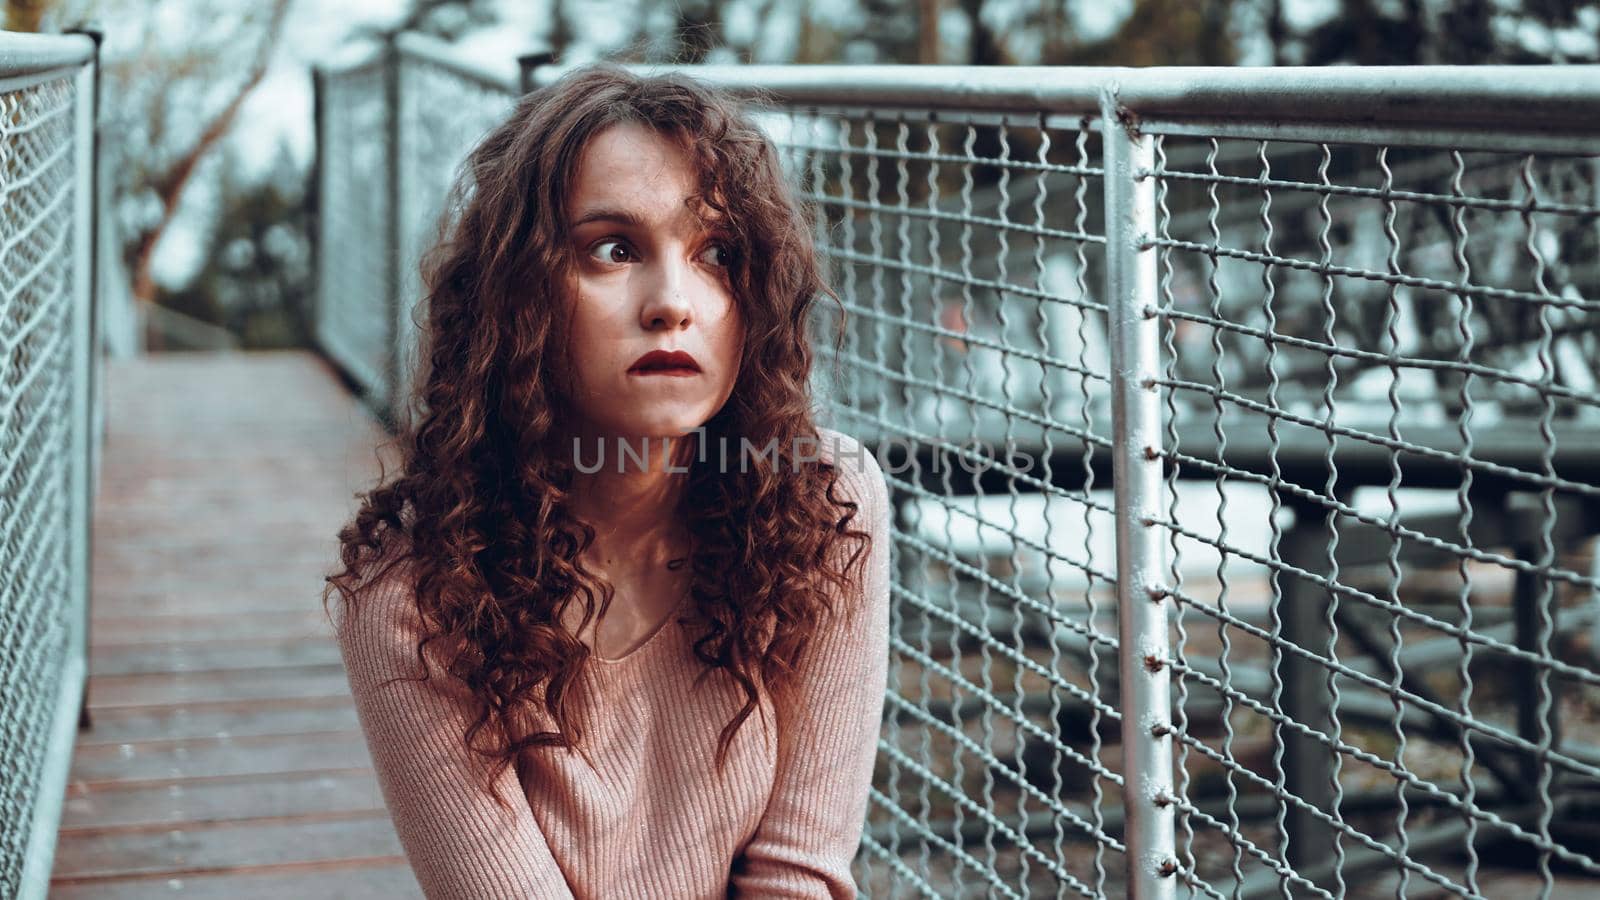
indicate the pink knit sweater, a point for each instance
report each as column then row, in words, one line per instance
column 645, row 815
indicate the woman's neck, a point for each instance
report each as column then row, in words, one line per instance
column 632, row 501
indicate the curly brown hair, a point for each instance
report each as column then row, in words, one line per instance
column 480, row 506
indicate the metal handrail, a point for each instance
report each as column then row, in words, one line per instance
column 27, row 59
column 1410, row 97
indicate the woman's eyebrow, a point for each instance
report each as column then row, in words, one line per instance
column 633, row 220
column 608, row 214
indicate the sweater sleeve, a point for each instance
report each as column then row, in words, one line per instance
column 828, row 734
column 459, row 842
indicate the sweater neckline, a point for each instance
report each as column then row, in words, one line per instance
column 654, row 637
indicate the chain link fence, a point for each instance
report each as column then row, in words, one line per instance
column 1240, row 425
column 47, row 433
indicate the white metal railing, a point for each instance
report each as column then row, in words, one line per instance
column 1286, row 579
column 391, row 128
column 49, row 433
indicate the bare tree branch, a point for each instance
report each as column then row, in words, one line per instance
column 170, row 184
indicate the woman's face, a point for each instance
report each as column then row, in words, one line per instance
column 649, row 277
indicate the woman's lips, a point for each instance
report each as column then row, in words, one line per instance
column 665, row 362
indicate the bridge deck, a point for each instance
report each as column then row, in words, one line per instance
column 224, row 758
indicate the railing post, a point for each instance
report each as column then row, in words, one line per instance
column 83, row 369
column 394, row 394
column 1131, row 275
column 87, row 349
column 316, row 190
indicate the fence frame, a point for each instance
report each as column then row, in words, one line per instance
column 27, row 60
column 1488, row 108
column 1131, row 297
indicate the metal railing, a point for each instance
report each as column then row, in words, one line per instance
column 49, row 433
column 1241, row 426
column 392, row 125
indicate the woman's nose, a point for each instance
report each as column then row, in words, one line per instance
column 666, row 304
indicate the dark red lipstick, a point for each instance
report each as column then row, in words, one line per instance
column 665, row 362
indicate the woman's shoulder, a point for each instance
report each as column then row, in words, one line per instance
column 380, row 606
column 860, row 473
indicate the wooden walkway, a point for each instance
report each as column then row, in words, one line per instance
column 224, row 757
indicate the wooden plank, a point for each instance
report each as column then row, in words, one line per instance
column 180, row 605
column 130, row 806
column 217, row 756
column 184, row 602
column 227, row 685
column 284, row 550
column 255, row 579
column 380, row 879
column 165, row 549
column 309, row 623
column 190, row 656
column 288, row 716
column 222, row 847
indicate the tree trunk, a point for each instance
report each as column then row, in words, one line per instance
column 928, row 32
column 25, row 15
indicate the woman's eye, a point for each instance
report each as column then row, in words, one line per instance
column 609, row 257
column 724, row 259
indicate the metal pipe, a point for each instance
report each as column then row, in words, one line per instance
column 528, row 64
column 91, row 400
column 1142, row 599
column 391, row 402
column 353, row 58
column 1309, row 766
column 434, row 51
column 321, row 303
column 1518, row 100
column 28, row 59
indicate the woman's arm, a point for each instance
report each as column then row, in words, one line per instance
column 828, row 732
column 460, row 843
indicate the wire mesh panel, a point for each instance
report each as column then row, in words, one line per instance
column 1380, row 362
column 1349, row 388
column 445, row 109
column 395, row 128
column 45, row 167
column 355, row 309
column 967, row 252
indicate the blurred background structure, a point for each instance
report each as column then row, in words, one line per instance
column 1289, row 586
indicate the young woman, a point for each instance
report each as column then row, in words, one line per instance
column 619, row 626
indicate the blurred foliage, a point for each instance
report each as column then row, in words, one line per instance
column 1161, row 33
column 171, row 97
column 25, row 15
column 1051, row 32
column 256, row 281
column 1460, row 32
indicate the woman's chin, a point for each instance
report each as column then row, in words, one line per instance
column 654, row 428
